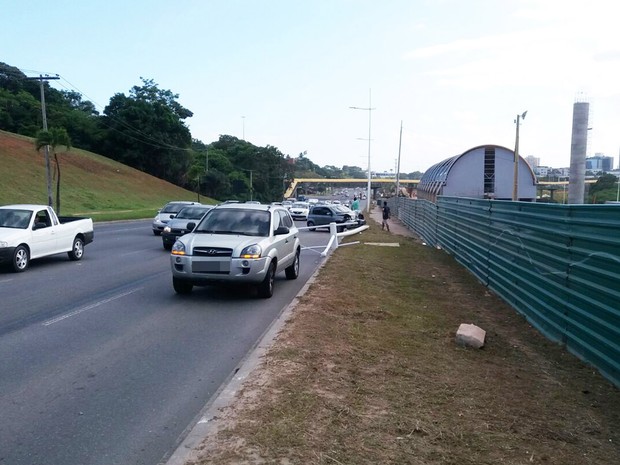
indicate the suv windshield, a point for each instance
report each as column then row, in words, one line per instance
column 235, row 221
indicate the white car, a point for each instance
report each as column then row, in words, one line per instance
column 299, row 210
column 244, row 243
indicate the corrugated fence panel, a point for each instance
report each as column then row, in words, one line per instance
column 558, row 265
column 529, row 262
column 419, row 216
column 462, row 229
column 593, row 317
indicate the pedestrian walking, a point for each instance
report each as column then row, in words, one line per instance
column 355, row 205
column 386, row 217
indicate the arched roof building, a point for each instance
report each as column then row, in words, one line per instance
column 486, row 171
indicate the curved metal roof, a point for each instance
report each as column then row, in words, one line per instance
column 436, row 176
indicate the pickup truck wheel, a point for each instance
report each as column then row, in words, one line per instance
column 182, row 286
column 265, row 289
column 292, row 272
column 21, row 259
column 77, row 251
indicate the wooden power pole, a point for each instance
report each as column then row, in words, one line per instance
column 46, row 150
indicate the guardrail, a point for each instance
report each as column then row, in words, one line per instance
column 334, row 235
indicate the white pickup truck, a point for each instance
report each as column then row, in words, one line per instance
column 34, row 231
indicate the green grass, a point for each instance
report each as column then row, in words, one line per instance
column 367, row 371
column 91, row 185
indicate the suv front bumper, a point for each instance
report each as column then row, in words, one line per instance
column 205, row 270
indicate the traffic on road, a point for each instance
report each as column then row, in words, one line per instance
column 103, row 362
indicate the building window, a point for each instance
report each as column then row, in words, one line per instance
column 489, row 171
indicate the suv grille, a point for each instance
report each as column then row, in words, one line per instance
column 212, row 252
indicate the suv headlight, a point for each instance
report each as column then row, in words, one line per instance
column 178, row 248
column 251, row 251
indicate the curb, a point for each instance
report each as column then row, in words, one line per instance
column 226, row 393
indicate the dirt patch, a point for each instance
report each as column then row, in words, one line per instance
column 367, row 371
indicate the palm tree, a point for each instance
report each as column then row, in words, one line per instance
column 54, row 138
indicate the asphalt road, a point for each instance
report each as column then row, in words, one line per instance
column 101, row 363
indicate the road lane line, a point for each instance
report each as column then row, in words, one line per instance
column 89, row 307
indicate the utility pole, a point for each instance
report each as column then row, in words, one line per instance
column 515, row 181
column 400, row 140
column 251, row 189
column 46, row 149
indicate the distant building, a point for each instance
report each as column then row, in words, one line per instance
column 486, row 171
column 534, row 162
column 541, row 171
column 599, row 162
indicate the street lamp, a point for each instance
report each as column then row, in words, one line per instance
column 369, row 110
column 515, row 183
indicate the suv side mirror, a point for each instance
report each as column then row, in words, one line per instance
column 190, row 226
column 281, row 231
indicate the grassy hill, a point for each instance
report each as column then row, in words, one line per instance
column 91, row 185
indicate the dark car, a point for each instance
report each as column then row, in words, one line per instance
column 322, row 215
column 177, row 226
column 167, row 213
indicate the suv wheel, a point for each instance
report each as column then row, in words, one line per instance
column 265, row 289
column 292, row 272
column 182, row 286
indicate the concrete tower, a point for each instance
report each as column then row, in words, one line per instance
column 578, row 148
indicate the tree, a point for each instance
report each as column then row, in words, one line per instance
column 604, row 189
column 146, row 131
column 54, row 138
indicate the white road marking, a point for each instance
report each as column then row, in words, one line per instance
column 88, row 307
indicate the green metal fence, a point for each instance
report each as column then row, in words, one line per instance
column 558, row 265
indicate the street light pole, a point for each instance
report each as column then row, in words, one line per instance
column 400, row 141
column 369, row 109
column 515, row 183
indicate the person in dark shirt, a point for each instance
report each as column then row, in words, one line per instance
column 386, row 217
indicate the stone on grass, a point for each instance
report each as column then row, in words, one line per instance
column 470, row 336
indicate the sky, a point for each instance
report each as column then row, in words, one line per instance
column 286, row 73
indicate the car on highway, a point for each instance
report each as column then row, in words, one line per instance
column 323, row 215
column 30, row 231
column 168, row 212
column 177, row 226
column 237, row 243
column 299, row 210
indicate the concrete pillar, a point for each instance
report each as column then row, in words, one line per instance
column 578, row 148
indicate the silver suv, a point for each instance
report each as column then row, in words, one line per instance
column 245, row 243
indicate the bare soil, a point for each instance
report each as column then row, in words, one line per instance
column 367, row 371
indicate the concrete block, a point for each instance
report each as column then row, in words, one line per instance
column 470, row 336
